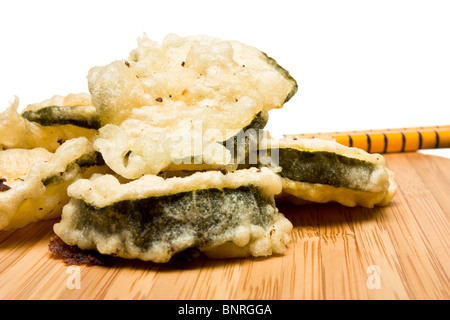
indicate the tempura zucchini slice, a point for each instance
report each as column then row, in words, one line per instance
column 135, row 147
column 36, row 180
column 315, row 170
column 222, row 83
column 224, row 215
column 247, row 140
column 155, row 106
column 49, row 123
column 74, row 109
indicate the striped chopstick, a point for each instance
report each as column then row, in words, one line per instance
column 388, row 140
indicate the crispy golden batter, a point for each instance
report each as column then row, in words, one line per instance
column 18, row 132
column 224, row 83
column 315, row 170
column 38, row 180
column 178, row 102
column 225, row 215
column 173, row 123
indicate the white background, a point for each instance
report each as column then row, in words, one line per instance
column 359, row 64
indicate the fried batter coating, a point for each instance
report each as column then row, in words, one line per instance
column 155, row 106
column 153, row 218
column 224, row 83
column 75, row 109
column 315, row 170
column 38, row 180
column 16, row 131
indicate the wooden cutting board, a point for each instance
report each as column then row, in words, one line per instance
column 397, row 252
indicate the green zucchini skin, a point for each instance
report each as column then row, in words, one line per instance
column 206, row 214
column 246, row 140
column 61, row 115
column 90, row 159
column 285, row 74
column 322, row 167
column 82, row 163
column 258, row 122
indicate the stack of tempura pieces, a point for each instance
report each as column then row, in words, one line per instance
column 168, row 152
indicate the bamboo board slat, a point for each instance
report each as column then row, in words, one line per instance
column 397, row 252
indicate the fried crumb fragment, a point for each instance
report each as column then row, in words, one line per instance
column 3, row 187
column 73, row 255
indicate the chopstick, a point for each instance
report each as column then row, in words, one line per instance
column 388, row 140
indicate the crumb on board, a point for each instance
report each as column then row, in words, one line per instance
column 73, row 255
column 3, row 187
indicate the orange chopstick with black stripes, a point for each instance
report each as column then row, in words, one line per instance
column 389, row 140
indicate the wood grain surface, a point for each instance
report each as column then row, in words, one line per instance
column 397, row 252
